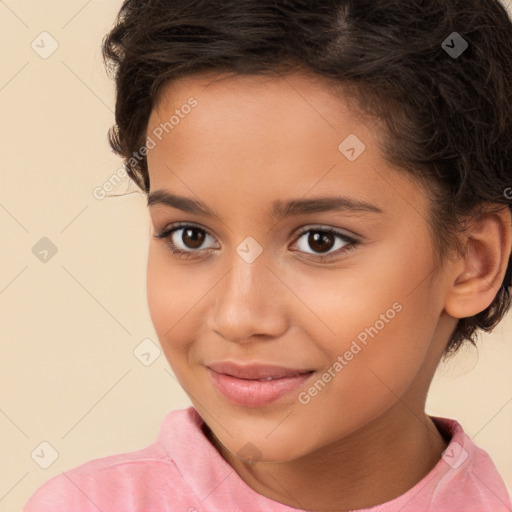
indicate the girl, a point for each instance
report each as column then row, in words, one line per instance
column 328, row 186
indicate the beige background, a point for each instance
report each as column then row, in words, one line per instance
column 69, row 326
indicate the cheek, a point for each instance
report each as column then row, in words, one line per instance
column 170, row 295
column 161, row 297
column 178, row 296
column 371, row 365
column 380, row 321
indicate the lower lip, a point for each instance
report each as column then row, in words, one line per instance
column 255, row 393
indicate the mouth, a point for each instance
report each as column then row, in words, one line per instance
column 262, row 372
column 256, row 385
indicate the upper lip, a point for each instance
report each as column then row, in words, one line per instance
column 255, row 371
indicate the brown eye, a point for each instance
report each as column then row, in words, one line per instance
column 186, row 240
column 321, row 241
column 193, row 238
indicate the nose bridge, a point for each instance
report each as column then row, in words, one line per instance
column 245, row 300
column 244, row 284
column 249, row 273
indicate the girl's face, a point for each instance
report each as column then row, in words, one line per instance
column 262, row 282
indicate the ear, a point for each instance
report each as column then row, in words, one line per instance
column 477, row 275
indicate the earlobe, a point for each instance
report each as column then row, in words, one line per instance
column 477, row 275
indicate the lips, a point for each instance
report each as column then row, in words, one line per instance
column 261, row 372
column 257, row 385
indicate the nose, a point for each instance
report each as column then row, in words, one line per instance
column 250, row 301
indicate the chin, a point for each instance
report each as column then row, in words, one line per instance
column 261, row 449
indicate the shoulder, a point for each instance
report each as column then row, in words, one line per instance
column 466, row 475
column 104, row 482
column 147, row 477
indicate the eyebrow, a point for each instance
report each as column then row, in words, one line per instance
column 280, row 209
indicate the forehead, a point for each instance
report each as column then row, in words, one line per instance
column 318, row 102
column 279, row 136
column 283, row 121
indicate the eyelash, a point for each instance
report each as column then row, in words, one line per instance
column 351, row 243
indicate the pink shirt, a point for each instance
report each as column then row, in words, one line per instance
column 183, row 472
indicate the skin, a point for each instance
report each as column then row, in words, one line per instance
column 365, row 438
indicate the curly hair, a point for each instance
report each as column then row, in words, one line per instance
column 447, row 118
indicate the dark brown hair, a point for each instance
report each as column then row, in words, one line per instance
column 448, row 117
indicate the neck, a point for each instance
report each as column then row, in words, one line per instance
column 372, row 465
